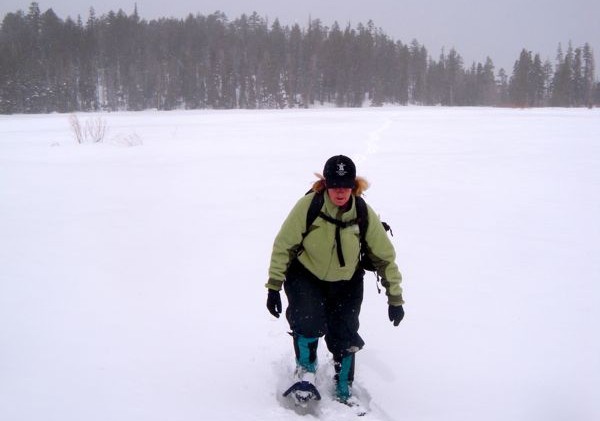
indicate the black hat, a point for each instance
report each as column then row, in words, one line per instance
column 339, row 171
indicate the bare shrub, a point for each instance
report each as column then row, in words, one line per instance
column 93, row 132
column 76, row 127
column 129, row 140
column 95, row 129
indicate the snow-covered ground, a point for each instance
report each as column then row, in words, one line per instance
column 131, row 277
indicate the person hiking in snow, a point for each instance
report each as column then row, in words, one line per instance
column 318, row 264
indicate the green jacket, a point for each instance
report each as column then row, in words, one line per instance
column 318, row 254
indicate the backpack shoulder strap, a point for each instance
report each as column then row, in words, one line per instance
column 362, row 214
column 314, row 209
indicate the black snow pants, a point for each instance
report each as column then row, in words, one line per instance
column 321, row 308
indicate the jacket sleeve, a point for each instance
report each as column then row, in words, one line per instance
column 288, row 242
column 381, row 251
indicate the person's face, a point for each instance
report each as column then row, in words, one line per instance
column 339, row 195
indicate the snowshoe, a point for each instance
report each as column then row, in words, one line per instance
column 303, row 392
column 353, row 403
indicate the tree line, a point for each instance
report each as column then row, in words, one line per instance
column 121, row 62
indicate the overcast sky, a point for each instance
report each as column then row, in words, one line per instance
column 476, row 28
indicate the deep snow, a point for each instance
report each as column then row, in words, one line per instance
column 131, row 277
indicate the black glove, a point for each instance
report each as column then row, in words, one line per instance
column 274, row 303
column 396, row 314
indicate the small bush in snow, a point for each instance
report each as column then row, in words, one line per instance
column 127, row 140
column 93, row 131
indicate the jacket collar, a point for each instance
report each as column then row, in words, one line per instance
column 335, row 212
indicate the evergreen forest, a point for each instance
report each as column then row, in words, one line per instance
column 122, row 62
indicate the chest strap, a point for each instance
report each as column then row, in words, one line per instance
column 338, row 239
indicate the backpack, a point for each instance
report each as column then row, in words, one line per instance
column 362, row 219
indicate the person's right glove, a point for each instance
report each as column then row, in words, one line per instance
column 396, row 314
column 274, row 302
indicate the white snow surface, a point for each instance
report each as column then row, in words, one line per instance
column 132, row 277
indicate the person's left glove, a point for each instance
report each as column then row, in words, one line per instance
column 274, row 303
column 396, row 314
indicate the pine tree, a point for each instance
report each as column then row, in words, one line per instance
column 503, row 87
column 454, row 79
column 577, row 82
column 588, row 75
column 276, row 76
column 294, row 66
column 417, row 72
column 547, row 72
column 520, row 86
column 536, row 83
column 563, row 76
column 488, row 93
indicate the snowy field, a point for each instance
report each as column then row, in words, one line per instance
column 132, row 272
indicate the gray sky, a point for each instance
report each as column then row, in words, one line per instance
column 476, row 28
